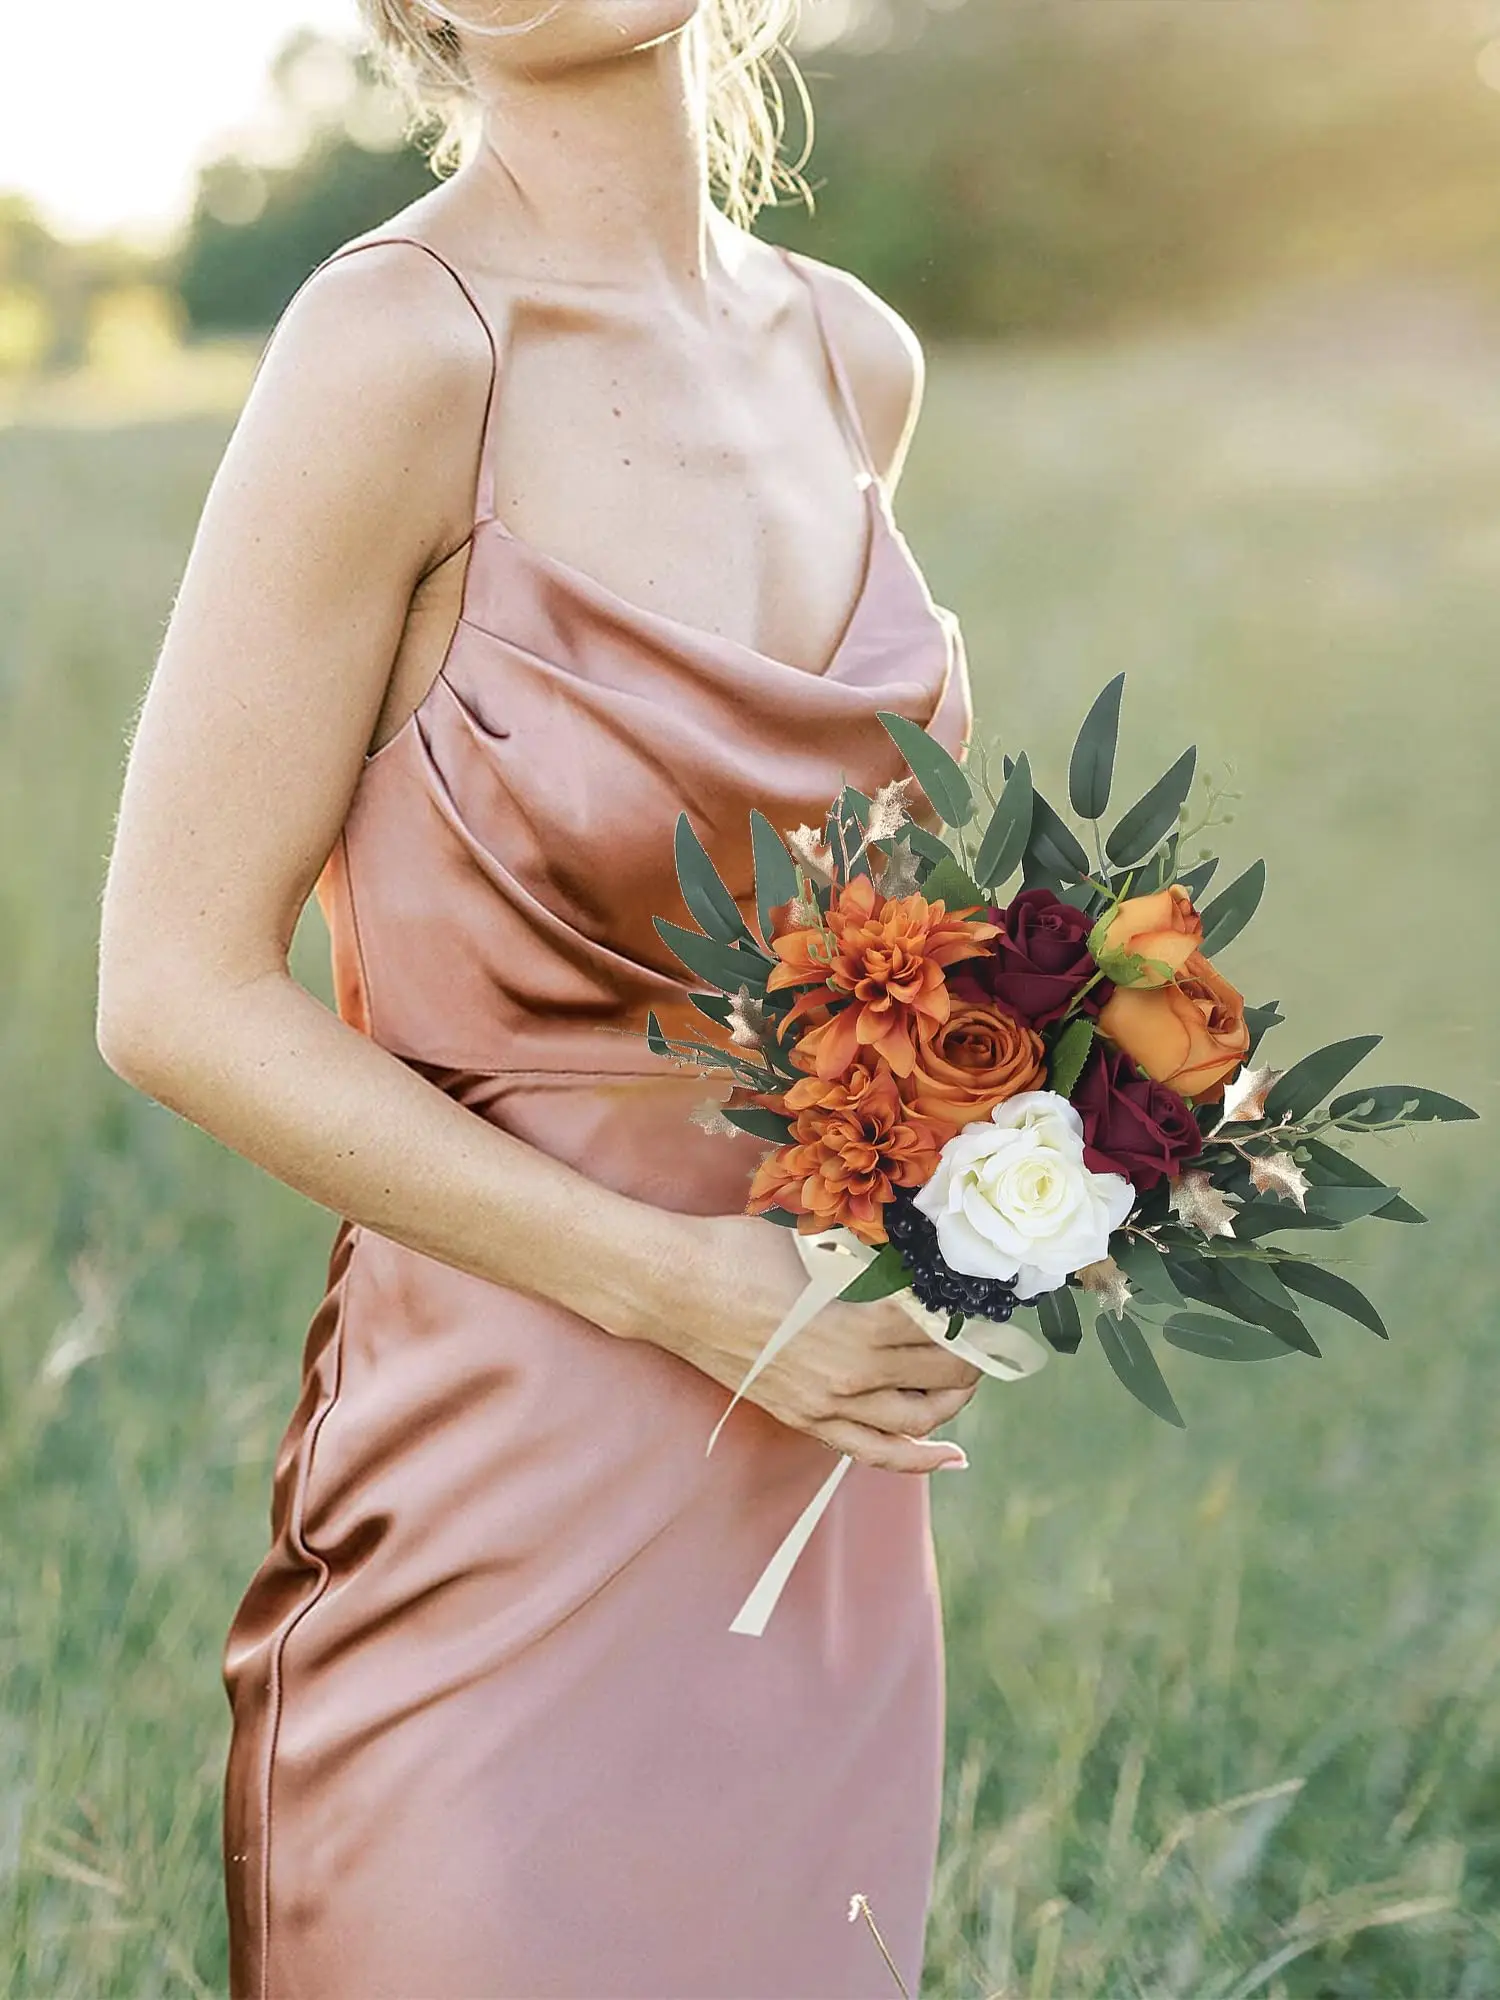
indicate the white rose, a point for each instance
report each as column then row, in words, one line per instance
column 1012, row 1198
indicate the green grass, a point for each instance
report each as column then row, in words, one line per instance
column 1224, row 1705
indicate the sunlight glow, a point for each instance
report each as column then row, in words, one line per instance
column 108, row 106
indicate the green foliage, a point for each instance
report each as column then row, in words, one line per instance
column 1129, row 1354
column 775, row 871
column 883, row 1276
column 1229, row 912
column 1069, row 1054
column 722, row 965
column 1092, row 766
column 1057, row 1314
column 950, row 885
column 1308, row 1082
column 941, row 778
column 1153, row 815
column 709, row 902
column 1009, row 831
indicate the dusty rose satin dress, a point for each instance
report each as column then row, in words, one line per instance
column 491, row 1735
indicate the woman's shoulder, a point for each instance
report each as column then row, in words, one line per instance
column 881, row 353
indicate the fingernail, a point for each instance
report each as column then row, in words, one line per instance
column 958, row 1464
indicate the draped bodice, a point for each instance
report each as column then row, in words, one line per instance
column 491, row 893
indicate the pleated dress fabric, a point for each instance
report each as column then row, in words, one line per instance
column 490, row 1733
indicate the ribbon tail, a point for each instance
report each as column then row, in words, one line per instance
column 761, row 1602
column 821, row 1286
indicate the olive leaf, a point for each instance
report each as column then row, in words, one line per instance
column 1057, row 1314
column 775, row 871
column 1005, row 838
column 1229, row 912
column 1154, row 814
column 1308, row 1082
column 940, row 777
column 1127, row 1353
column 1092, row 765
column 1223, row 1339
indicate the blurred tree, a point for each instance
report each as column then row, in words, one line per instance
column 330, row 162
column 49, row 289
column 1000, row 170
column 1033, row 167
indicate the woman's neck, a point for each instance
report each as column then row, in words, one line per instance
column 601, row 170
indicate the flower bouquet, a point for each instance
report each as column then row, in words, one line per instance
column 988, row 1108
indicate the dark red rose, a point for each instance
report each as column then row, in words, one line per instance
column 1039, row 960
column 1132, row 1125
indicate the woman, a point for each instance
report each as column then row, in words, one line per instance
column 560, row 506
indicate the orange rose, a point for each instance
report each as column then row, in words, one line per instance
column 1165, row 927
column 853, row 1141
column 977, row 1057
column 1189, row 1034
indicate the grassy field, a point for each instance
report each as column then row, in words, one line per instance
column 1224, row 1704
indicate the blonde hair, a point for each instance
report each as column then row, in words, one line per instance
column 736, row 43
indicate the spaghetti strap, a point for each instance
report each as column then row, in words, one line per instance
column 849, row 409
column 484, row 496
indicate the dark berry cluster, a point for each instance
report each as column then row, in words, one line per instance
column 939, row 1287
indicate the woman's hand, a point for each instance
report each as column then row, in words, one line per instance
column 863, row 1378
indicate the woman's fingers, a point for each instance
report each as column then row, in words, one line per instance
column 905, row 1412
column 891, row 1454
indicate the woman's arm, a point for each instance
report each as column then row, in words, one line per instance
column 334, row 497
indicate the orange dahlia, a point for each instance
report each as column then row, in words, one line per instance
column 853, row 1141
column 887, row 956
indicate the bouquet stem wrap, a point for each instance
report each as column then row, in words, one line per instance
column 832, row 1258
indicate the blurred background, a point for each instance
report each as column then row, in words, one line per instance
column 1211, row 297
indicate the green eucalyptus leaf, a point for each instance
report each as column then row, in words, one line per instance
column 1308, row 1082
column 1069, row 1055
column 1147, row 1271
column 1126, row 1351
column 1053, row 848
column 1223, row 1339
column 920, row 841
column 1057, row 1315
column 1331, row 1290
column 775, row 871
column 1229, row 912
column 940, row 777
column 1245, row 1297
column 1154, row 814
column 1348, row 1204
column 709, row 902
column 1266, row 1218
column 1092, row 765
column 1327, row 1164
column 884, row 1275
column 764, row 1124
column 713, row 1006
column 1409, row 1103
column 1005, row 838
column 784, row 1216
column 722, row 965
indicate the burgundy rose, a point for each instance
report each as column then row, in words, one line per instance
column 1132, row 1125
column 1040, row 960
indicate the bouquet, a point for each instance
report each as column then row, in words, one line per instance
column 1031, row 1107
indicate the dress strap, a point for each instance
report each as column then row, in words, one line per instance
column 848, row 408
column 484, row 498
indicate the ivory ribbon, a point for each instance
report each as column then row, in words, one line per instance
column 832, row 1258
